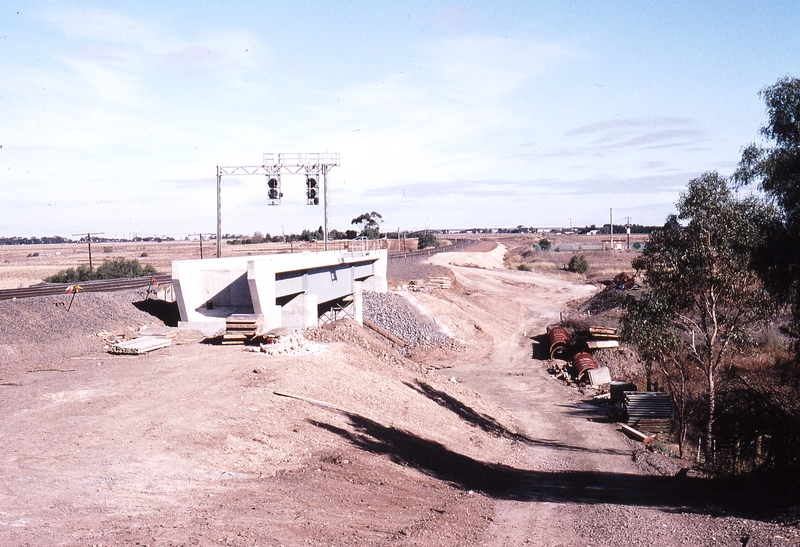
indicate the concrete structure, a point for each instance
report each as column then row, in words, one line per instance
column 290, row 290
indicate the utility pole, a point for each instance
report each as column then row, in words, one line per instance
column 201, row 242
column 628, row 227
column 89, row 241
column 611, row 221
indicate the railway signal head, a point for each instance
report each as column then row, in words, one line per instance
column 274, row 190
column 312, row 190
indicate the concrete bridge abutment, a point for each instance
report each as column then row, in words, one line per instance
column 287, row 289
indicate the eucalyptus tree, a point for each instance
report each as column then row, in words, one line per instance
column 370, row 224
column 775, row 167
column 704, row 299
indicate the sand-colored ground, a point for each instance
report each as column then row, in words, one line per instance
column 190, row 445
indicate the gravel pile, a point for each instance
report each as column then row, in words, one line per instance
column 41, row 329
column 396, row 315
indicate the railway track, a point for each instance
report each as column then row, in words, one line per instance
column 109, row 285
column 458, row 245
column 101, row 285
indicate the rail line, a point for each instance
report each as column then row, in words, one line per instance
column 458, row 245
column 110, row 285
column 101, row 285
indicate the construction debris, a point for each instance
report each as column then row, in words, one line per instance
column 636, row 434
column 242, row 327
column 648, row 410
column 599, row 376
column 110, row 338
column 624, row 281
column 432, row 283
column 559, row 339
column 293, row 343
column 140, row 345
column 602, row 344
column 604, row 332
column 582, row 363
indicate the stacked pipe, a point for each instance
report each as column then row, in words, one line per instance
column 559, row 338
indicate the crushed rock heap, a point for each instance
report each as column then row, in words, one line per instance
column 395, row 314
column 292, row 344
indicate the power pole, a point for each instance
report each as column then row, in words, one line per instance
column 611, row 221
column 89, row 241
column 628, row 227
column 201, row 242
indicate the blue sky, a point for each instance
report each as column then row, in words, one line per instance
column 446, row 114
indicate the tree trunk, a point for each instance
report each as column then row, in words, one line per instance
column 712, row 400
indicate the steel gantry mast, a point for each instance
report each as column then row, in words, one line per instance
column 314, row 166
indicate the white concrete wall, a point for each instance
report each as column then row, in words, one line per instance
column 252, row 284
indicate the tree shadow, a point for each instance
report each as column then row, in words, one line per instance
column 492, row 426
column 680, row 493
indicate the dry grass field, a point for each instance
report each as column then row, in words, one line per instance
column 25, row 265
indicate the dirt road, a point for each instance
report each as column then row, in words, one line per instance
column 578, row 483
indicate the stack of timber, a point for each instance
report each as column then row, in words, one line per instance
column 242, row 327
column 648, row 411
column 438, row 283
column 602, row 337
column 140, row 345
column 432, row 283
column 604, row 332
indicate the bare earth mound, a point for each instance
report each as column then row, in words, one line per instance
column 342, row 440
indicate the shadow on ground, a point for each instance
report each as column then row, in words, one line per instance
column 160, row 309
column 680, row 493
column 492, row 426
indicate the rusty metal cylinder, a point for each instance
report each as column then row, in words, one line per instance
column 583, row 362
column 559, row 338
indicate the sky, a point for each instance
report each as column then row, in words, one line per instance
column 114, row 116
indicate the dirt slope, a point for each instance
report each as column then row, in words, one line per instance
column 577, row 479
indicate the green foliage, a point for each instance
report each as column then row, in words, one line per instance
column 578, row 263
column 427, row 240
column 143, row 255
column 33, row 254
column 370, row 224
column 701, row 283
column 316, row 235
column 524, row 267
column 371, row 233
column 72, row 275
column 108, row 249
column 110, row 269
column 122, row 268
column 637, row 245
column 776, row 170
column 544, row 244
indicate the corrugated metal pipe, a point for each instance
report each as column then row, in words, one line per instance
column 583, row 362
column 559, row 338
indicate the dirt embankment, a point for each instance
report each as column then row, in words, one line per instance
column 190, row 445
